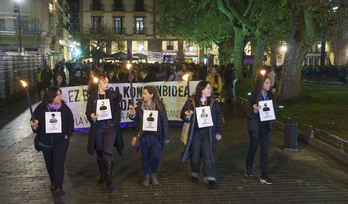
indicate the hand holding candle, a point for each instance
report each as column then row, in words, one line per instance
column 129, row 65
column 186, row 77
column 95, row 115
column 33, row 122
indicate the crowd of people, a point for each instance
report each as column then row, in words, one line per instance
column 201, row 112
column 79, row 73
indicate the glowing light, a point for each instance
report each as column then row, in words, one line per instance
column 186, row 77
column 95, row 79
column 23, row 83
column 263, row 72
column 283, row 48
column 129, row 65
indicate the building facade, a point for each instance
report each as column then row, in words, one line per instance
column 35, row 26
column 133, row 19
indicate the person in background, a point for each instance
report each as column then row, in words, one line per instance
column 151, row 142
column 46, row 77
column 146, row 77
column 176, row 76
column 77, row 80
column 230, row 79
column 215, row 80
column 54, row 145
column 59, row 81
column 38, row 80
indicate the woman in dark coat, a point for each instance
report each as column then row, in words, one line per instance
column 54, row 144
column 151, row 142
column 105, row 130
column 259, row 132
column 201, row 142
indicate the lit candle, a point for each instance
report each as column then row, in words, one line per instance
column 131, row 85
column 186, row 77
column 95, row 109
column 262, row 72
column 33, row 121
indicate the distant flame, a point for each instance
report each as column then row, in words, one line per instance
column 23, row 83
column 263, row 72
column 129, row 65
column 95, row 79
column 186, row 77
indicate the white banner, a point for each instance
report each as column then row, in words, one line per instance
column 173, row 94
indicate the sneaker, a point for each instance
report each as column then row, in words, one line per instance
column 195, row 179
column 266, row 180
column 213, row 185
column 248, row 171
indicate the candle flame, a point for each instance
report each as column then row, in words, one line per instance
column 23, row 83
column 95, row 79
column 129, row 65
column 263, row 72
column 186, row 77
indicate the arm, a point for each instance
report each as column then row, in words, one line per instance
column 90, row 108
column 249, row 110
column 219, row 84
column 70, row 122
column 165, row 125
column 184, row 109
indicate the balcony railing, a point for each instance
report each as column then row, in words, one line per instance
column 170, row 47
column 139, row 31
column 118, row 7
column 120, row 31
column 96, row 7
column 139, row 8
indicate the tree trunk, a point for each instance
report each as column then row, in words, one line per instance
column 290, row 83
column 323, row 54
column 238, row 51
column 259, row 54
column 273, row 56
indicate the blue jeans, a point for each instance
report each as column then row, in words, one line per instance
column 263, row 139
column 151, row 151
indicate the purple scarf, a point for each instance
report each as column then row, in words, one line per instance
column 56, row 107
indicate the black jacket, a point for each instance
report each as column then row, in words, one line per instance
column 53, row 138
column 115, row 99
column 216, row 129
column 254, row 124
column 162, row 125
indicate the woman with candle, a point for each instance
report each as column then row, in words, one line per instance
column 151, row 142
column 54, row 144
column 202, row 142
column 259, row 132
column 105, row 131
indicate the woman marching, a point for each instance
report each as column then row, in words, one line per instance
column 104, row 114
column 202, row 134
column 56, row 125
column 151, row 141
column 259, row 131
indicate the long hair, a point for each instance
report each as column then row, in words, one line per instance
column 256, row 93
column 199, row 88
column 153, row 90
column 216, row 79
column 92, row 86
column 50, row 94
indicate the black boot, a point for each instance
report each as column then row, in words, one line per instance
column 101, row 165
column 108, row 166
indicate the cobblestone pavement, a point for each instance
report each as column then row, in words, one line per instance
column 303, row 176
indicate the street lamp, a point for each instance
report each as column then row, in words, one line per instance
column 17, row 10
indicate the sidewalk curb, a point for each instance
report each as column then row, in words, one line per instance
column 335, row 153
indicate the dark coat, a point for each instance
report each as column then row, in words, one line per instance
column 162, row 125
column 115, row 99
column 216, row 129
column 254, row 122
column 50, row 139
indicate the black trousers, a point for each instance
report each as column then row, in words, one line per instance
column 104, row 140
column 55, row 159
column 264, row 139
column 200, row 149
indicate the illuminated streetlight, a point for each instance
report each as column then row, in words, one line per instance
column 283, row 48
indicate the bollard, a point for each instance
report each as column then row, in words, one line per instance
column 290, row 140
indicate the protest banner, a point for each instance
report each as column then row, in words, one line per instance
column 172, row 93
